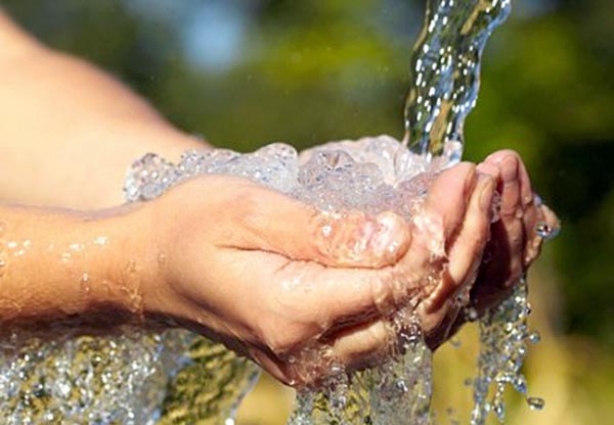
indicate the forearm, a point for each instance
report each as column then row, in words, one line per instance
column 69, row 131
column 59, row 264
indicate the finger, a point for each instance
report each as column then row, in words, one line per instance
column 526, row 189
column 466, row 253
column 510, row 232
column 446, row 202
column 551, row 219
column 273, row 222
column 504, row 253
column 545, row 225
column 508, row 163
column 532, row 218
column 362, row 345
column 352, row 349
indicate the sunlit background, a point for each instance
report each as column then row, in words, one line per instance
column 244, row 73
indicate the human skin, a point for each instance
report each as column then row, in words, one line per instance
column 229, row 265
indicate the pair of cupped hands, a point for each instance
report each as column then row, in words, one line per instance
column 272, row 277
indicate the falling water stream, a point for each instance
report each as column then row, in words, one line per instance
column 141, row 377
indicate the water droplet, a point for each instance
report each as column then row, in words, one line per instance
column 520, row 384
column 543, row 230
column 499, row 410
column 85, row 283
column 536, row 403
column 534, row 337
column 101, row 241
column 471, row 314
column 527, row 308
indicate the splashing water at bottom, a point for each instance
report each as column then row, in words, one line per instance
column 504, row 334
column 397, row 391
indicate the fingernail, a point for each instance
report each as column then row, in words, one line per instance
column 509, row 170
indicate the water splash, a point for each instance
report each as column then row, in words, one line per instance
column 396, row 391
column 445, row 69
column 66, row 376
column 504, row 334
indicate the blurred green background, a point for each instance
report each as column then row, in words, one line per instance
column 244, row 73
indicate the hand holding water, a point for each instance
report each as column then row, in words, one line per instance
column 270, row 276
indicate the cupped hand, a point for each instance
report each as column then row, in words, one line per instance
column 523, row 223
column 274, row 278
column 520, row 225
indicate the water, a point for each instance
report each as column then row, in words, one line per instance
column 396, row 391
column 445, row 68
column 130, row 377
column 504, row 335
column 140, row 377
column 334, row 177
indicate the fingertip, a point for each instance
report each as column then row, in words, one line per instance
column 489, row 169
column 392, row 239
column 551, row 218
column 497, row 157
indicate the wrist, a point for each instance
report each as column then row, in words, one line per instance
column 73, row 265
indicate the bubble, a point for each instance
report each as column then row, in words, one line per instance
column 148, row 178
